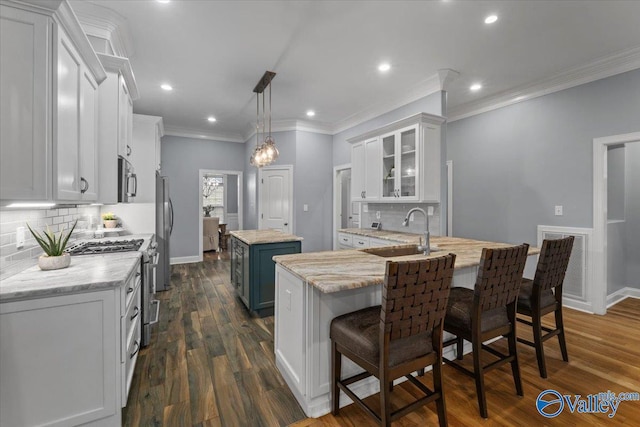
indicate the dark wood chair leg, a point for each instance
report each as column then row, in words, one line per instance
column 479, row 375
column 421, row 372
column 460, row 349
column 390, row 386
column 336, row 367
column 560, row 325
column 437, row 388
column 515, row 367
column 385, row 404
column 536, row 319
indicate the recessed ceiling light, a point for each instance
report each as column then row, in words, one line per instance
column 163, row 1
column 384, row 67
column 166, row 87
column 211, row 119
column 475, row 87
column 519, row 98
column 311, row 113
column 490, row 19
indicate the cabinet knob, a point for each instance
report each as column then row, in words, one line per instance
column 128, row 150
column 85, row 185
column 286, row 223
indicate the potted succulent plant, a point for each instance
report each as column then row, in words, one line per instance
column 54, row 256
column 109, row 220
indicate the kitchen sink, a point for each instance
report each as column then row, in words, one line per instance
column 395, row 252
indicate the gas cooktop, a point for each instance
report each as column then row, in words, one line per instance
column 104, row 247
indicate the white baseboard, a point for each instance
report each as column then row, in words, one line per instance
column 577, row 305
column 185, row 260
column 622, row 294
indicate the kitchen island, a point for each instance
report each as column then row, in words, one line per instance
column 313, row 288
column 252, row 266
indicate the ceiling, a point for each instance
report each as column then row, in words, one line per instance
column 326, row 54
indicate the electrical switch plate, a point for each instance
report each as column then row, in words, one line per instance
column 377, row 214
column 305, row 207
column 20, row 237
column 559, row 210
column 365, row 207
column 430, row 210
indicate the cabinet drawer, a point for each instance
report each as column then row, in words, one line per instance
column 360, row 242
column 132, row 316
column 129, row 363
column 345, row 239
column 128, row 291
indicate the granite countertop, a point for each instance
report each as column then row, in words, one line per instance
column 86, row 273
column 335, row 271
column 254, row 237
column 397, row 236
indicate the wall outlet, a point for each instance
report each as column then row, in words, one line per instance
column 20, row 237
column 365, row 207
column 377, row 214
column 558, row 210
column 430, row 210
column 305, row 207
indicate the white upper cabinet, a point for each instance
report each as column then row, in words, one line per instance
column 49, row 82
column 365, row 170
column 147, row 132
column 405, row 165
column 117, row 93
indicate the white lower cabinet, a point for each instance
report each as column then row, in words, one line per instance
column 61, row 358
column 355, row 241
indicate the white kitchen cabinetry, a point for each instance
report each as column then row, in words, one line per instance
column 68, row 360
column 116, row 122
column 408, row 161
column 147, row 132
column 365, row 170
column 49, row 79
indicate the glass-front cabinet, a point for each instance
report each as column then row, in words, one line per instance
column 400, row 151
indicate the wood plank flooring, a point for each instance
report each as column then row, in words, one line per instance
column 211, row 364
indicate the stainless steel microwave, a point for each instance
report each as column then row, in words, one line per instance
column 127, row 181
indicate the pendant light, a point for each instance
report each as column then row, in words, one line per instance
column 265, row 153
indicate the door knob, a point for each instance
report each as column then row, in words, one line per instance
column 286, row 223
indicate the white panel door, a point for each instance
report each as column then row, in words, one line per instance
column 276, row 200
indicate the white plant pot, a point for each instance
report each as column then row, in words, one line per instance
column 110, row 223
column 46, row 262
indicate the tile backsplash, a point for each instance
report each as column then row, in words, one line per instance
column 392, row 215
column 12, row 259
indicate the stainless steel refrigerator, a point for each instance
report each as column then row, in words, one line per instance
column 164, row 227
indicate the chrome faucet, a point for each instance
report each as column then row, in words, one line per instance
column 427, row 247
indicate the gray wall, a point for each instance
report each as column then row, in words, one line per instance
column 312, row 185
column 431, row 104
column 615, row 182
column 182, row 159
column 513, row 165
column 232, row 193
column 632, row 213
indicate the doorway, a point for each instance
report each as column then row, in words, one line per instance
column 346, row 214
column 275, row 198
column 222, row 198
column 602, row 219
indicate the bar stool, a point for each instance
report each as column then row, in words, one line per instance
column 543, row 295
column 402, row 335
column 488, row 311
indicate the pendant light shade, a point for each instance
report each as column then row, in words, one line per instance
column 266, row 153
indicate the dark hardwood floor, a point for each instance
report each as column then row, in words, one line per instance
column 209, row 362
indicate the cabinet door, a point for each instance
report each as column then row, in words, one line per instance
column 406, row 163
column 245, row 288
column 88, row 137
column 389, row 165
column 67, row 143
column 358, row 165
column 125, row 119
column 24, row 105
column 372, row 170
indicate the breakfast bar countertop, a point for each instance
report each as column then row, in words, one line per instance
column 335, row 271
column 86, row 273
column 255, row 237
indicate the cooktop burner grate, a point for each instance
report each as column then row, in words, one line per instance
column 105, row 246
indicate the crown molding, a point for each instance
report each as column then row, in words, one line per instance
column 104, row 23
column 195, row 134
column 429, row 86
column 601, row 68
column 291, row 125
column 422, row 118
column 121, row 65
